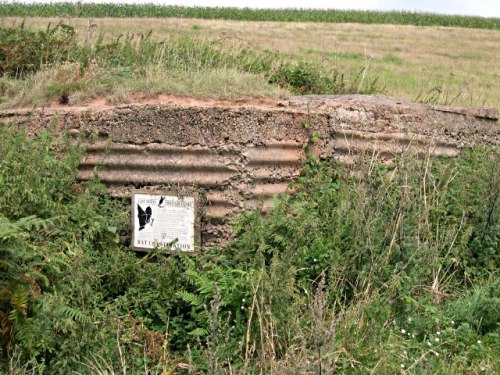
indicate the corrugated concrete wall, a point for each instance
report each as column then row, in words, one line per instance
column 239, row 156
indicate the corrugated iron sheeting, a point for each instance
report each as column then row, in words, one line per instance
column 235, row 177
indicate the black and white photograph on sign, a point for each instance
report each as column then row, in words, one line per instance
column 164, row 220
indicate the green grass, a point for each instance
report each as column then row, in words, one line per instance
column 339, row 55
column 246, row 14
column 39, row 67
column 392, row 59
column 410, row 62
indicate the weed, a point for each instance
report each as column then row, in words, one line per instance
column 136, row 62
column 390, row 58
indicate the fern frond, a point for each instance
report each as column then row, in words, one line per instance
column 160, row 311
column 74, row 314
column 19, row 304
column 198, row 332
column 190, row 298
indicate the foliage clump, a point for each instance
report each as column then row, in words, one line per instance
column 50, row 225
column 23, row 51
column 367, row 268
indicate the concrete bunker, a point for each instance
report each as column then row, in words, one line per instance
column 239, row 154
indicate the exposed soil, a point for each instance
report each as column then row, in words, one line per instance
column 171, row 100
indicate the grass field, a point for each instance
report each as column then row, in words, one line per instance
column 430, row 64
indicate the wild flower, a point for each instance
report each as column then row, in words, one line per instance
column 403, row 331
column 402, row 365
column 436, row 339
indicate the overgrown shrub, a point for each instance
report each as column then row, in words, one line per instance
column 49, row 226
column 23, row 51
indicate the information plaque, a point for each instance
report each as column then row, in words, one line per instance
column 164, row 221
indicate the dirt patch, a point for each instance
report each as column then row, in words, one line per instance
column 185, row 101
column 168, row 100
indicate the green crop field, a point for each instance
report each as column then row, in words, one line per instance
column 281, row 15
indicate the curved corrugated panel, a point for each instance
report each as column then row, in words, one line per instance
column 387, row 143
column 235, row 177
column 346, row 144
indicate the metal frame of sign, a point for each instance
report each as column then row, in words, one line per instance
column 197, row 218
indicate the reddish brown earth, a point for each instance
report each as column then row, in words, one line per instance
column 170, row 100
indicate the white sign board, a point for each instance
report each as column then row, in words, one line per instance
column 163, row 220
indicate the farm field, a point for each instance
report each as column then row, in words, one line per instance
column 429, row 64
column 245, row 14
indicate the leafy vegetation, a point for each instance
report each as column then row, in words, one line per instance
column 62, row 66
column 47, row 232
column 367, row 268
column 80, row 9
column 23, row 51
column 403, row 61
